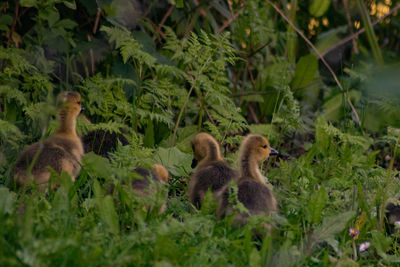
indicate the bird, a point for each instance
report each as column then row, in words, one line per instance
column 142, row 185
column 102, row 142
column 392, row 215
column 62, row 151
column 212, row 171
column 253, row 191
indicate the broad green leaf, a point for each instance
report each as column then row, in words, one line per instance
column 7, row 200
column 50, row 14
column 174, row 160
column 333, row 108
column 331, row 226
column 209, row 205
column 267, row 130
column 319, row 7
column 106, row 209
column 316, row 204
column 380, row 242
column 253, row 98
column 70, row 4
column 306, row 71
column 254, row 258
column 328, row 39
column 96, row 165
column 149, row 134
column 28, row 3
column 61, row 201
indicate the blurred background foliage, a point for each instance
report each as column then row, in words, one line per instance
column 159, row 71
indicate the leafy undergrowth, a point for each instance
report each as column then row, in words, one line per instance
column 335, row 185
column 160, row 85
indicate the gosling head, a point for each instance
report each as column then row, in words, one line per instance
column 204, row 146
column 258, row 147
column 70, row 102
column 161, row 171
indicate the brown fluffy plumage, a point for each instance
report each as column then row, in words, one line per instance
column 253, row 192
column 212, row 171
column 142, row 187
column 102, row 142
column 62, row 151
column 392, row 215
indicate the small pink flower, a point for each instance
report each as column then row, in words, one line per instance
column 388, row 157
column 364, row 246
column 353, row 232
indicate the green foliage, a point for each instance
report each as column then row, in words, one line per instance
column 158, row 75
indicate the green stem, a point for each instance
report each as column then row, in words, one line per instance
column 389, row 178
column 180, row 115
column 369, row 30
column 291, row 42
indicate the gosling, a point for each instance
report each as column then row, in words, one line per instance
column 253, row 192
column 142, row 187
column 212, row 171
column 62, row 151
column 392, row 215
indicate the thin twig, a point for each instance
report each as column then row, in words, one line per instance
column 349, row 22
column 96, row 23
column 91, row 56
column 95, row 27
column 229, row 21
column 253, row 115
column 258, row 49
column 352, row 36
column 157, row 29
column 209, row 115
column 321, row 58
column 172, row 7
column 272, row 92
column 11, row 33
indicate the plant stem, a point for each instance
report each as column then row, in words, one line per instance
column 291, row 43
column 376, row 51
column 180, row 115
column 389, row 177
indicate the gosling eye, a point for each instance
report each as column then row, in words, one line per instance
column 265, row 146
column 79, row 102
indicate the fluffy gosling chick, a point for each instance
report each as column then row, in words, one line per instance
column 142, row 187
column 62, row 151
column 253, row 192
column 212, row 171
column 102, row 142
column 392, row 215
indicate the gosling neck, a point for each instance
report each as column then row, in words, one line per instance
column 212, row 152
column 249, row 167
column 67, row 123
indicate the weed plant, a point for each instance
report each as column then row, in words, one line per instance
column 331, row 189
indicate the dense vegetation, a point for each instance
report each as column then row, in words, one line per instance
column 160, row 71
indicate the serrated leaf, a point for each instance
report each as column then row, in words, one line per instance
column 319, row 7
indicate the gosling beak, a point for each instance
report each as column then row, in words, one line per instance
column 194, row 163
column 273, row 152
